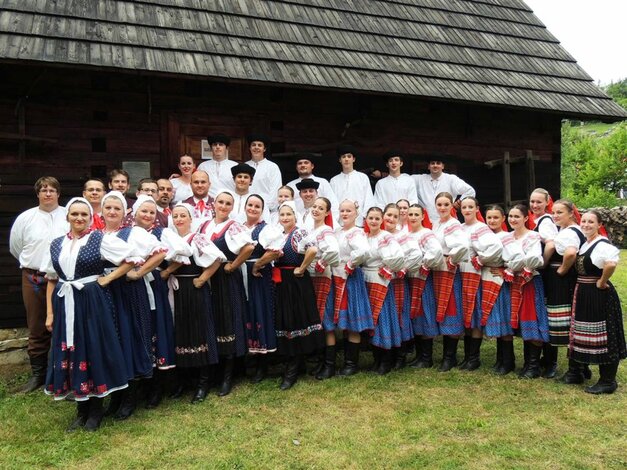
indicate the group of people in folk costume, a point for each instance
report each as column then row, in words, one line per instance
column 237, row 273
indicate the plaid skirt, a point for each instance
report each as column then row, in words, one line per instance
column 533, row 318
column 452, row 324
column 387, row 330
column 425, row 324
column 353, row 309
column 499, row 321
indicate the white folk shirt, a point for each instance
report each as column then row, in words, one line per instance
column 182, row 191
column 355, row 186
column 32, row 232
column 220, row 175
column 324, row 191
column 392, row 188
column 266, row 182
column 428, row 188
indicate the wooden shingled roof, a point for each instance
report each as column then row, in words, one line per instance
column 486, row 51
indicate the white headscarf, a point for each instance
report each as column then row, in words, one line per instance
column 141, row 199
column 83, row 201
column 119, row 196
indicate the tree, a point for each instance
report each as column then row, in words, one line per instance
column 594, row 168
column 618, row 92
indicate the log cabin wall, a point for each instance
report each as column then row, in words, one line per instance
column 75, row 124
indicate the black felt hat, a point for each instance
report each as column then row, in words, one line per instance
column 344, row 149
column 219, row 139
column 306, row 156
column 243, row 168
column 393, row 153
column 307, row 183
column 257, row 137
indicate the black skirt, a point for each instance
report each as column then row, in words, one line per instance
column 297, row 321
column 229, row 309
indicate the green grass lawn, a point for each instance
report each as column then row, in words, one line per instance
column 407, row 419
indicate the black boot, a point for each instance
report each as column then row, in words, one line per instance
column 38, row 366
column 426, row 354
column 318, row 363
column 96, row 413
column 449, row 355
column 418, row 347
column 574, row 374
column 467, row 349
column 533, row 365
column 499, row 354
column 474, row 355
column 526, row 356
column 261, row 370
column 508, row 360
column 204, row 377
column 155, row 393
column 351, row 359
column 587, row 373
column 376, row 356
column 82, row 413
column 291, row 373
column 129, row 402
column 227, row 378
column 550, row 361
column 328, row 368
column 385, row 365
column 607, row 381
column 114, row 403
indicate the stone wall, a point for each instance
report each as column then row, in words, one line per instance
column 615, row 220
column 13, row 344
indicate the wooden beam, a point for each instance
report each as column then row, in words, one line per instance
column 499, row 161
column 507, row 183
column 25, row 138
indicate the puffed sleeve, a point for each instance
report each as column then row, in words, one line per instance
column 432, row 255
column 359, row 246
column 272, row 238
column 237, row 237
column 458, row 243
column 487, row 245
column 179, row 250
column 144, row 243
column 412, row 251
column 513, row 256
column 302, row 241
column 547, row 229
column 117, row 251
column 566, row 238
column 205, row 252
column 328, row 247
column 533, row 251
column 602, row 253
column 46, row 266
column 391, row 253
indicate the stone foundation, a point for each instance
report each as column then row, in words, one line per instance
column 13, row 343
column 615, row 220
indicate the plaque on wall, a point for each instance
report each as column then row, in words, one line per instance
column 136, row 171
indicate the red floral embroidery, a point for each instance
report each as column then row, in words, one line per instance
column 84, row 388
column 161, row 361
column 64, row 364
column 100, row 389
column 63, row 346
column 82, row 366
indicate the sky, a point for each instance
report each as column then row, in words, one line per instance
column 594, row 32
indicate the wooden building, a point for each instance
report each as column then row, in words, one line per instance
column 92, row 85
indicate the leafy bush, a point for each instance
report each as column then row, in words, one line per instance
column 594, row 168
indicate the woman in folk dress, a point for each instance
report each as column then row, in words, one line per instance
column 596, row 334
column 447, row 279
column 86, row 358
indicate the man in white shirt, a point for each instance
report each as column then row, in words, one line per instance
column 428, row 186
column 308, row 192
column 305, row 163
column 219, row 167
column 94, row 191
column 244, row 178
column 201, row 201
column 396, row 185
column 268, row 178
column 29, row 242
column 352, row 184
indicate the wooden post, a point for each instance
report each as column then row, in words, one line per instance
column 21, row 129
column 507, row 184
column 531, row 172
